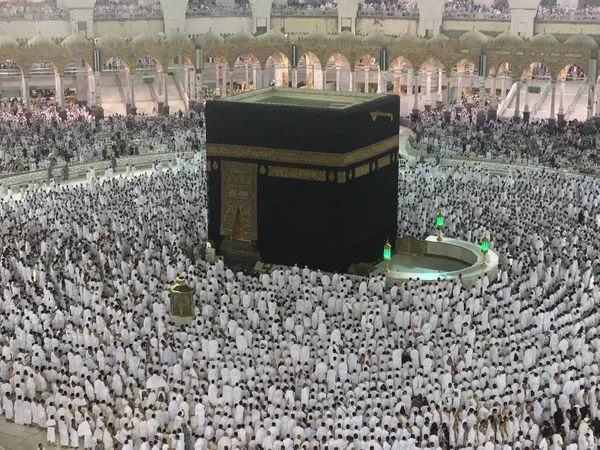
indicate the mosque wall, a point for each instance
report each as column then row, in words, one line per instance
column 128, row 28
column 305, row 25
column 491, row 27
column 563, row 30
column 389, row 27
column 26, row 29
column 221, row 25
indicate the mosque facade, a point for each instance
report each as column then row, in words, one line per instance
column 405, row 55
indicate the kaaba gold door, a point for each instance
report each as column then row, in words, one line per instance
column 238, row 201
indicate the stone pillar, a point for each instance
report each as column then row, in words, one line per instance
column 503, row 88
column 294, row 78
column 493, row 110
column 397, row 83
column 166, row 108
column 366, row 91
column 459, row 87
column 416, row 103
column 131, row 82
column 347, row 10
column 440, row 82
column 561, row 109
column 231, row 85
column 481, row 113
column 246, row 73
column 338, row 78
column 81, row 12
column 431, row 16
column 224, row 81
column 523, row 14
column 526, row 112
column 26, row 98
column 198, row 87
column 428, row 98
column 174, row 15
column 217, row 86
column 552, row 120
column 517, row 114
column 254, row 78
column 351, row 89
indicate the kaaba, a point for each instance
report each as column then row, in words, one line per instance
column 302, row 176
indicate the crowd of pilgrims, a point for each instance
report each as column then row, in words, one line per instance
column 45, row 140
column 503, row 140
column 298, row 358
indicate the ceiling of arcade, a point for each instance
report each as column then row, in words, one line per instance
column 414, row 54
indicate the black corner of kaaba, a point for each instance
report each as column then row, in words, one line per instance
column 307, row 185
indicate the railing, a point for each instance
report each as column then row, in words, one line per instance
column 503, row 105
column 375, row 13
column 476, row 16
column 120, row 86
column 241, row 12
column 126, row 15
column 10, row 73
column 304, row 12
column 542, row 99
column 574, row 18
column 153, row 94
column 182, row 92
column 41, row 71
column 57, row 15
column 571, row 107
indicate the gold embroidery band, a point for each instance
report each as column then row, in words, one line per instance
column 299, row 157
column 361, row 170
column 383, row 161
column 297, row 174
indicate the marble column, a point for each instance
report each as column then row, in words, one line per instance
column 517, row 113
column 217, row 85
column 166, row 108
column 246, row 70
column 366, row 80
column 254, row 79
column 338, row 78
column 459, row 87
column 428, row 95
column 440, row 81
column 351, row 89
column 383, row 75
column 98, row 89
column 26, row 98
column 231, row 86
column 553, row 100
column 561, row 109
column 294, row 78
column 416, row 103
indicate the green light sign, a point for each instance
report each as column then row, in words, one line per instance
column 440, row 220
column 387, row 254
column 485, row 245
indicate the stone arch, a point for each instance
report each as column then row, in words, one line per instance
column 276, row 70
column 148, row 64
column 115, row 64
column 78, row 65
column 400, row 69
column 215, row 73
column 42, row 67
column 504, row 68
column 463, row 65
column 310, row 73
column 537, row 70
column 572, row 72
column 338, row 73
column 466, row 78
column 242, row 76
column 366, row 72
column 431, row 79
column 11, row 71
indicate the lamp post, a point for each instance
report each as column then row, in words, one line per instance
column 387, row 256
column 439, row 223
column 485, row 246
